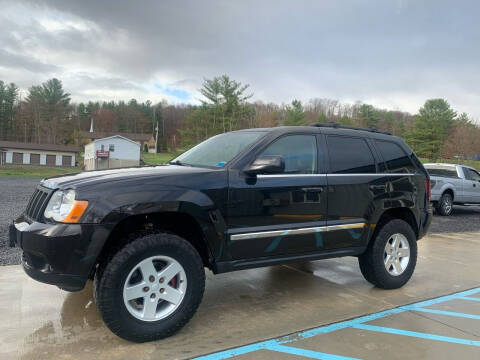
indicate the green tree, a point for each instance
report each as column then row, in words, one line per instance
column 8, row 97
column 295, row 115
column 224, row 108
column 345, row 120
column 431, row 127
column 369, row 116
column 322, row 118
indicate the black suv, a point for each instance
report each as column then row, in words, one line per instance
column 238, row 200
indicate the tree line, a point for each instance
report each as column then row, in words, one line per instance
column 47, row 115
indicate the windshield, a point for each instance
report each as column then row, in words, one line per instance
column 218, row 150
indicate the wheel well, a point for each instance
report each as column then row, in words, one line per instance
column 398, row 213
column 449, row 191
column 181, row 224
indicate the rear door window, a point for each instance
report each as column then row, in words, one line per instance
column 349, row 155
column 396, row 159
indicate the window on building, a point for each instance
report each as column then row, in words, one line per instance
column 111, row 147
column 350, row 155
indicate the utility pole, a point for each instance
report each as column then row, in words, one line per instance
column 156, row 139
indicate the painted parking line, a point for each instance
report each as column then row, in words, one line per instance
column 469, row 298
column 277, row 344
column 416, row 334
column 447, row 313
column 307, row 353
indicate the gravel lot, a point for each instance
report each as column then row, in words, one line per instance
column 15, row 193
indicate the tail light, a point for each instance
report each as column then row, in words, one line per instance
column 427, row 189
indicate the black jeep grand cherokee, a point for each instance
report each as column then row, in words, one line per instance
column 238, row 200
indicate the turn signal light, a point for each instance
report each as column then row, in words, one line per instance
column 77, row 211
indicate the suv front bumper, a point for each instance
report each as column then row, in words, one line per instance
column 59, row 254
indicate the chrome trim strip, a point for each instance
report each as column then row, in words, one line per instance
column 288, row 232
column 345, row 226
column 287, row 175
column 306, row 175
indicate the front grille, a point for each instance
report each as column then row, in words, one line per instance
column 38, row 202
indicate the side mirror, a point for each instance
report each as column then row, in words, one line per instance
column 267, row 164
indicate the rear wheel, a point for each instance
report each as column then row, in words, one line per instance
column 150, row 288
column 391, row 257
column 445, row 205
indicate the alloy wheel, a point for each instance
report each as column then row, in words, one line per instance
column 154, row 288
column 396, row 254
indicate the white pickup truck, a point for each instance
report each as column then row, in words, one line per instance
column 453, row 184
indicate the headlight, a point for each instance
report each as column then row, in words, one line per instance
column 63, row 207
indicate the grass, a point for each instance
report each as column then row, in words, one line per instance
column 473, row 163
column 156, row 159
column 35, row 171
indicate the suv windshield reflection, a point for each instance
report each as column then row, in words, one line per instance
column 218, row 150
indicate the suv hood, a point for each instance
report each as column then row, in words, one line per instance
column 100, row 176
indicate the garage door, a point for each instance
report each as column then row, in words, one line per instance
column 17, row 158
column 51, row 160
column 66, row 160
column 35, row 159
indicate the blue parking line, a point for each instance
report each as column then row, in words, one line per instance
column 469, row 298
column 415, row 334
column 226, row 354
column 307, row 353
column 448, row 313
column 346, row 324
column 358, row 323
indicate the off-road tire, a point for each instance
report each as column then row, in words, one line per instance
column 112, row 273
column 372, row 261
column 441, row 207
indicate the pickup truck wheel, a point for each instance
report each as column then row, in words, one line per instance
column 391, row 257
column 150, row 288
column 445, row 205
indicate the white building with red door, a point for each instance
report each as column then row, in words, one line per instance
column 111, row 152
column 18, row 153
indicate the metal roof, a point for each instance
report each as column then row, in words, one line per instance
column 32, row 146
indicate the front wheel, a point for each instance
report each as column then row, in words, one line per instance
column 150, row 288
column 391, row 257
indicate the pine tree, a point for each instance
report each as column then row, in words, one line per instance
column 295, row 115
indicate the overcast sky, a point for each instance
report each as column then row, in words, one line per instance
column 393, row 54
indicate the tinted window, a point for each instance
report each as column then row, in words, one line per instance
column 471, row 174
column 298, row 151
column 396, row 159
column 452, row 173
column 349, row 155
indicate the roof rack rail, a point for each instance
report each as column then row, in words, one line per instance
column 340, row 126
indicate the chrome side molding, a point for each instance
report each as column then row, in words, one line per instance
column 288, row 232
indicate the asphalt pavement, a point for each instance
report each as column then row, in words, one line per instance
column 15, row 193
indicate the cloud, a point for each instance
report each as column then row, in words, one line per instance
column 393, row 54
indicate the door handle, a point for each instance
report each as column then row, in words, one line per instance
column 313, row 189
